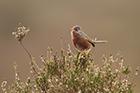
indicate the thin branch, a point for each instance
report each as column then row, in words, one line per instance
column 31, row 58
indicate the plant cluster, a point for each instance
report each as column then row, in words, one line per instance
column 71, row 73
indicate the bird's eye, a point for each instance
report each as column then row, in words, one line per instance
column 77, row 28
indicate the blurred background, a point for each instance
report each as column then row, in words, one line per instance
column 117, row 21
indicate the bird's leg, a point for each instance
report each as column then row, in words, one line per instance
column 87, row 52
column 81, row 59
column 78, row 60
column 78, row 57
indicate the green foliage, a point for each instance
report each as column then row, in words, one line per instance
column 71, row 73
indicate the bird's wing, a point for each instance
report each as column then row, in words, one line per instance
column 93, row 42
column 85, row 36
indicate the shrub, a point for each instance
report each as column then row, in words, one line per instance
column 71, row 73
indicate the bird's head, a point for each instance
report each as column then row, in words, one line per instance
column 76, row 28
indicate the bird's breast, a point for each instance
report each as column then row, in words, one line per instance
column 80, row 43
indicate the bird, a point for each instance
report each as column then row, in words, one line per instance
column 81, row 41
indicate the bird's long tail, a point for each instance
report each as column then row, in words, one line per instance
column 100, row 41
column 95, row 41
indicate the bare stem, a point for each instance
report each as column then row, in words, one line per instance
column 30, row 56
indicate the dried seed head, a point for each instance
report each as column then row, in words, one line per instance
column 3, row 86
column 137, row 71
column 4, row 83
column 20, row 32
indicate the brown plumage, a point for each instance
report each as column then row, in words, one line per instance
column 81, row 41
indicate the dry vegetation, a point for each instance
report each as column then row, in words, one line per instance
column 71, row 73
